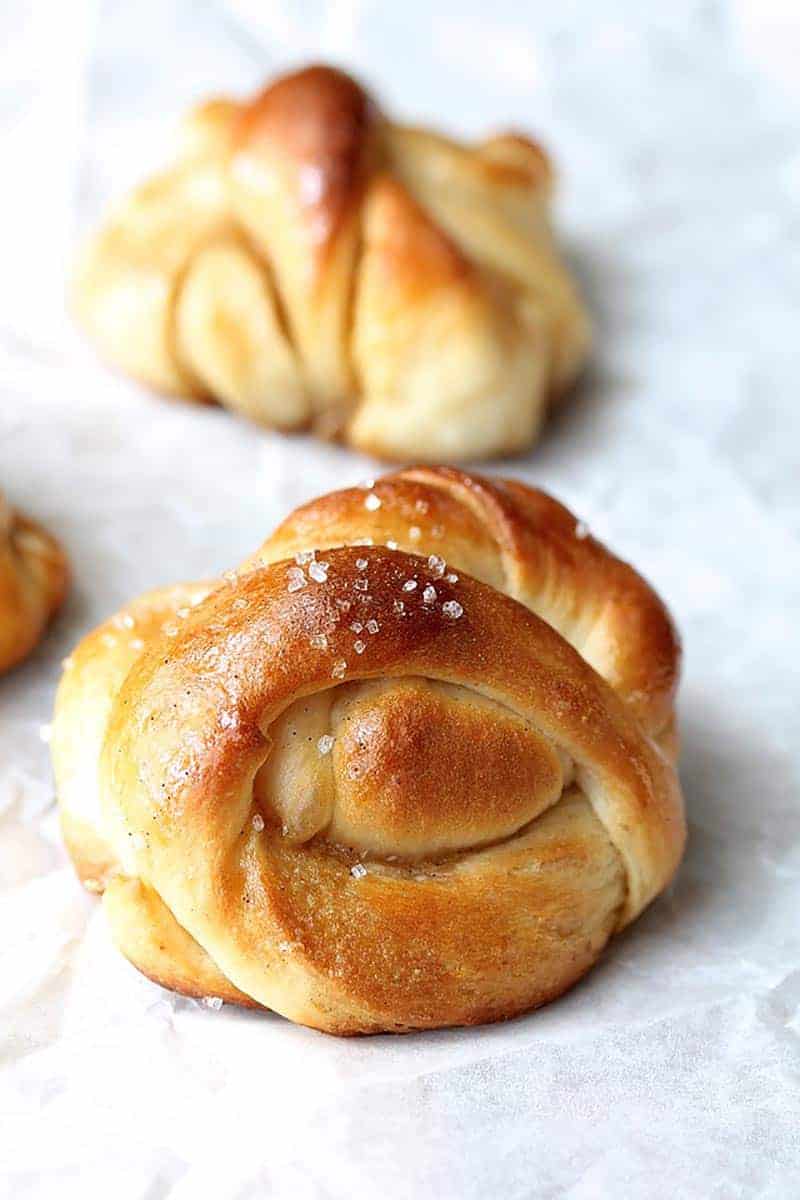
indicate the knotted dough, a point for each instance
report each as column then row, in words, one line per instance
column 411, row 766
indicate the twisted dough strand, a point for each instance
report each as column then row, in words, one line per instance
column 523, row 542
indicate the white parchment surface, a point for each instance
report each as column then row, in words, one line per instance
column 674, row 1070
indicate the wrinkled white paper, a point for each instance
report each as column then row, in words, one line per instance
column 673, row 1070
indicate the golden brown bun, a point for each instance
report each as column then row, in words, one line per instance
column 33, row 581
column 309, row 264
column 372, row 788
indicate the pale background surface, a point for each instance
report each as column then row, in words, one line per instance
column 673, row 1071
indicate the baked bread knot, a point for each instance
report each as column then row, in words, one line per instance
column 376, row 779
column 310, row 264
column 33, row 581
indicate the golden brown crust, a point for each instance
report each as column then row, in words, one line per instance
column 372, row 792
column 34, row 575
column 426, row 769
column 420, row 300
column 145, row 931
column 515, row 159
column 316, row 123
column 93, row 674
column 415, row 255
column 185, row 741
column 308, row 263
column 522, row 541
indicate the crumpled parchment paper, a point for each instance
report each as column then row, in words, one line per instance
column 673, row 1070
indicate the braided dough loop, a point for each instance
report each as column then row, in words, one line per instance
column 33, row 581
column 307, row 263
